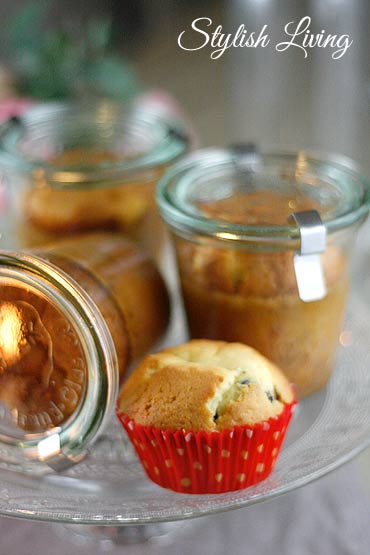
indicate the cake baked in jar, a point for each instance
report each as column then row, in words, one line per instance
column 123, row 281
column 231, row 215
column 73, row 168
column 73, row 316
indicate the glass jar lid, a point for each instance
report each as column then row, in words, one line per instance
column 86, row 145
column 242, row 195
column 58, row 366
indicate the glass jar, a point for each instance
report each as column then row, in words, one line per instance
column 72, row 317
column 250, row 265
column 74, row 168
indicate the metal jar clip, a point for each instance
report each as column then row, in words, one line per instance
column 307, row 263
column 247, row 160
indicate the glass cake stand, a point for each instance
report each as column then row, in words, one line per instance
column 110, row 488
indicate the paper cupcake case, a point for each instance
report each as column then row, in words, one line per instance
column 209, row 462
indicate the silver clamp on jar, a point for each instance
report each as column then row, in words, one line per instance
column 247, row 159
column 307, row 263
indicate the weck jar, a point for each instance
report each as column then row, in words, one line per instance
column 263, row 244
column 71, row 168
column 73, row 316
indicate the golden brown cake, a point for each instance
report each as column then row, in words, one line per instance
column 204, row 385
column 123, row 281
column 251, row 295
column 44, row 363
column 49, row 211
column 74, row 208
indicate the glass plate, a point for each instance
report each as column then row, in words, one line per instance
column 110, row 487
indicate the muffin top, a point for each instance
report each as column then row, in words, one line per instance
column 204, row 385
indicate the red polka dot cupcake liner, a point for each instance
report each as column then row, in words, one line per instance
column 209, row 462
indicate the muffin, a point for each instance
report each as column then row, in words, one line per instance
column 206, row 416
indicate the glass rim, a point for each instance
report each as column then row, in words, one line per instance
column 79, row 430
column 169, row 135
column 210, row 158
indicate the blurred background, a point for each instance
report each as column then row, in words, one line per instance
column 53, row 49
column 123, row 48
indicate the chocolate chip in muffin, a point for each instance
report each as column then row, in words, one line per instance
column 271, row 397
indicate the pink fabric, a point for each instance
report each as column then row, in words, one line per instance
column 166, row 105
column 13, row 107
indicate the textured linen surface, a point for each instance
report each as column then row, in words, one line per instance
column 329, row 517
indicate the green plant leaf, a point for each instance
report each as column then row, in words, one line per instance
column 99, row 34
column 67, row 59
column 24, row 29
column 111, row 76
